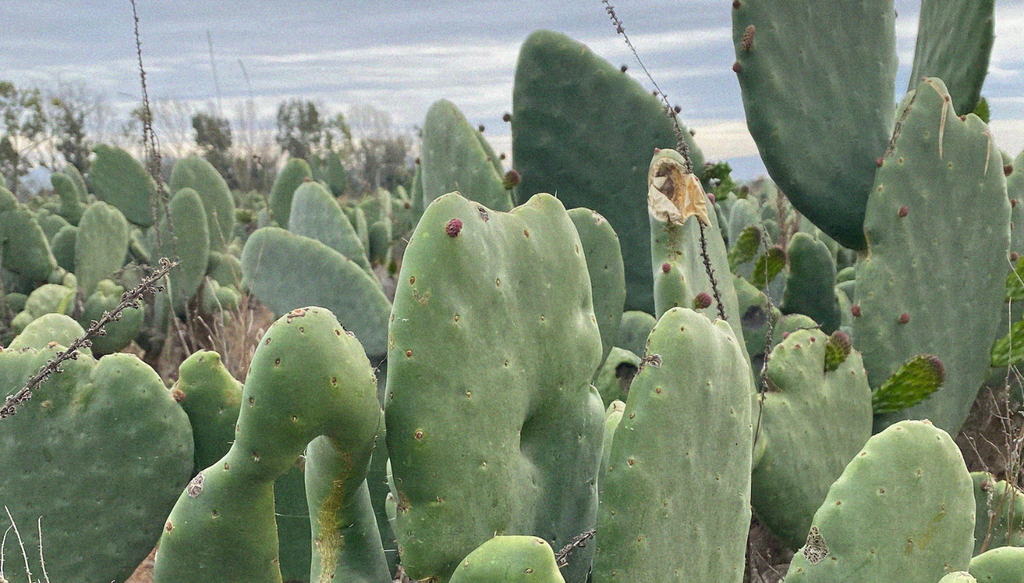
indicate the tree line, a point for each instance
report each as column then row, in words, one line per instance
column 57, row 126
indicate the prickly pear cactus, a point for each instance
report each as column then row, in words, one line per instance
column 308, row 377
column 454, row 159
column 954, row 43
column 285, row 271
column 818, row 78
column 903, row 510
column 1002, row 565
column 101, row 443
column 492, row 425
column 191, row 245
column 315, row 214
column 510, row 559
column 583, row 129
column 940, row 187
column 813, row 420
column 117, row 178
column 684, row 437
column 25, row 248
column 604, row 263
column 100, row 245
column 811, row 281
column 295, row 172
column 218, row 205
column 634, row 328
column 119, row 333
column 1000, row 514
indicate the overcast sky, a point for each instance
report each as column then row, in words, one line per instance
column 401, row 55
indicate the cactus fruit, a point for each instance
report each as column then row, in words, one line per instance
column 219, row 206
column 284, row 271
column 949, row 173
column 954, row 43
column 583, row 130
column 295, row 172
column 819, row 141
column 684, row 436
column 308, row 377
column 812, row 422
column 117, row 178
column 903, row 510
column 101, row 444
column 510, row 559
column 455, row 159
column 1002, row 565
column 607, row 278
column 495, row 429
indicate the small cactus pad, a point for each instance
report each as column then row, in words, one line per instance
column 117, row 178
column 812, row 423
column 492, row 424
column 903, row 510
column 817, row 79
column 510, row 559
column 684, row 437
column 219, row 206
column 1000, row 515
column 295, row 172
column 1002, row 565
column 948, row 171
column 607, row 278
column 914, row 382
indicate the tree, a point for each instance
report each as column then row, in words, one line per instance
column 24, row 129
column 213, row 136
column 384, row 153
column 302, row 130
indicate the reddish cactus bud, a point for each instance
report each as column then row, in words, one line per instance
column 481, row 128
column 1014, row 256
column 903, row 211
column 703, row 300
column 453, row 228
column 736, row 67
column 1008, row 169
column 511, row 179
column 878, row 162
column 855, row 310
column 904, row 318
column 507, row 117
column 623, row 68
column 665, row 267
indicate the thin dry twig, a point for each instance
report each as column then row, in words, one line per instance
column 578, row 542
column 130, row 299
column 28, row 570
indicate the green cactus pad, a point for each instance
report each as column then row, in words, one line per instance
column 510, row 559
column 810, row 282
column 100, row 444
column 100, row 245
column 117, row 178
column 684, row 437
column 954, row 43
column 196, row 173
column 903, row 510
column 958, row 577
column 818, row 79
column 71, row 206
column 939, row 174
column 584, row 130
column 812, row 422
column 914, row 382
column 308, row 377
column 604, row 263
column 492, row 425
column 119, row 333
column 295, row 172
column 616, row 375
column 315, row 214
column 1002, row 565
column 768, row 265
column 1000, row 516
column 285, row 271
column 634, row 328
column 745, row 247
column 191, row 246
column 23, row 243
column 211, row 397
column 454, row 159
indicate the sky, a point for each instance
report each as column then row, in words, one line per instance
column 402, row 55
